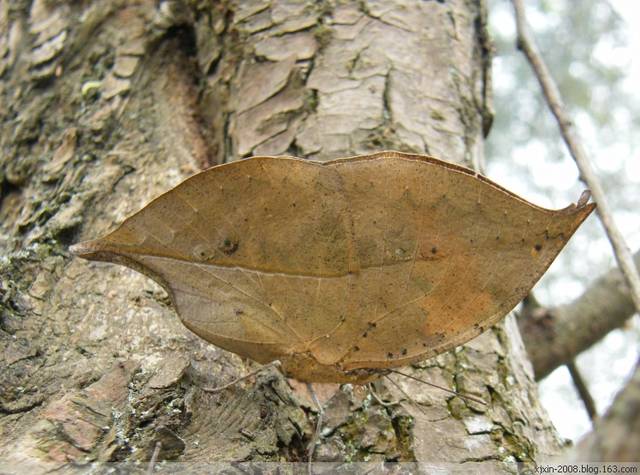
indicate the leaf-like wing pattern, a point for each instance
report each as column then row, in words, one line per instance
column 344, row 268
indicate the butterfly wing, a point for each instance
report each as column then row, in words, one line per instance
column 342, row 268
column 443, row 254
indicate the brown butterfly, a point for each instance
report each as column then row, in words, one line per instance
column 341, row 270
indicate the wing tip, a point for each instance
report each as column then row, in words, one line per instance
column 583, row 203
column 87, row 249
column 585, row 196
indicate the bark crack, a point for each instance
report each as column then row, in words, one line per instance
column 19, row 408
column 486, row 49
column 387, row 115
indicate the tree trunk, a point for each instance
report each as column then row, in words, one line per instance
column 110, row 103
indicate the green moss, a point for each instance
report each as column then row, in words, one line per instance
column 403, row 425
column 323, row 35
column 384, row 137
column 457, row 408
column 519, row 447
column 311, row 101
column 436, row 115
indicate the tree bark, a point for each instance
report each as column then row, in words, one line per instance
column 109, row 104
column 554, row 336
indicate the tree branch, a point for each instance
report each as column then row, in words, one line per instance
column 553, row 337
column 616, row 437
column 554, row 101
column 583, row 390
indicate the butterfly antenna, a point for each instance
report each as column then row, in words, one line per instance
column 451, row 391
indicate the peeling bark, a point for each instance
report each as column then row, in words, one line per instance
column 111, row 103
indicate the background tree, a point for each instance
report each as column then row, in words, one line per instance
column 109, row 104
column 586, row 47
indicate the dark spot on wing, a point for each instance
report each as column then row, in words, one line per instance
column 228, row 246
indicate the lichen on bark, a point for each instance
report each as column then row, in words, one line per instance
column 110, row 104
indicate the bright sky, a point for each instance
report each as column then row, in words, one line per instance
column 612, row 360
column 609, row 363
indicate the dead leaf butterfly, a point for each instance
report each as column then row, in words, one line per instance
column 340, row 269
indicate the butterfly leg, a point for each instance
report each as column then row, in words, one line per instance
column 378, row 398
column 154, row 457
column 316, row 435
column 273, row 364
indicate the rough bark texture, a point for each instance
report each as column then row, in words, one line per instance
column 553, row 337
column 110, row 103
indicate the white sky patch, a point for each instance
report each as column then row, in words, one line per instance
column 630, row 12
column 607, row 365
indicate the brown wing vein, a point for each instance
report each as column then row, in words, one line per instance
column 206, row 297
column 284, row 320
